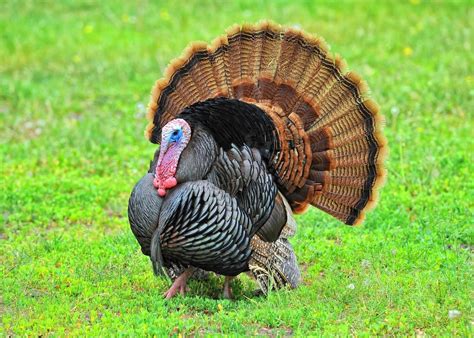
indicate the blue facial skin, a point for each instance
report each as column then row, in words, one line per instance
column 176, row 135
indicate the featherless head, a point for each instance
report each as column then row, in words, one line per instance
column 175, row 137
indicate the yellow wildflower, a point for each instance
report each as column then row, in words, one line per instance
column 165, row 15
column 88, row 29
column 407, row 51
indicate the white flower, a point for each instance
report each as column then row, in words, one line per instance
column 395, row 110
column 141, row 110
column 454, row 314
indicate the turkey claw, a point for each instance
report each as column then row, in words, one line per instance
column 179, row 285
column 174, row 289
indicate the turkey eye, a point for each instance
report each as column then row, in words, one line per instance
column 175, row 133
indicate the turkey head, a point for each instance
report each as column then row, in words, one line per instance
column 175, row 137
column 186, row 154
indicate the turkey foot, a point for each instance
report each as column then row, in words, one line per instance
column 227, row 288
column 179, row 284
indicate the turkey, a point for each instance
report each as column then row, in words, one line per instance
column 261, row 124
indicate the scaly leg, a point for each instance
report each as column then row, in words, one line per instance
column 227, row 288
column 179, row 284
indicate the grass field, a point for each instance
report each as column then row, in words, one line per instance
column 75, row 79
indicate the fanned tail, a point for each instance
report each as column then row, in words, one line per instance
column 330, row 148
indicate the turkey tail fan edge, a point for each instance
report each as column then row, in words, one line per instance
column 329, row 149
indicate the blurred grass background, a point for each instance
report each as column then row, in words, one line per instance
column 75, row 78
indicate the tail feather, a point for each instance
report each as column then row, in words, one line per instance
column 248, row 53
column 271, row 50
column 330, row 148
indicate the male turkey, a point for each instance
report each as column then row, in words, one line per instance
column 259, row 124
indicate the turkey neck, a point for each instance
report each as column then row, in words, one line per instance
column 198, row 157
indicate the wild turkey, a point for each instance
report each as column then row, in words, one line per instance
column 259, row 124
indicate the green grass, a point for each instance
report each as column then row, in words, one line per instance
column 74, row 80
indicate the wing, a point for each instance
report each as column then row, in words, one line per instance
column 202, row 226
column 243, row 174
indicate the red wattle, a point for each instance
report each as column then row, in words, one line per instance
column 170, row 183
column 162, row 192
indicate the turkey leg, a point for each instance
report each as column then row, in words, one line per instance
column 179, row 284
column 227, row 288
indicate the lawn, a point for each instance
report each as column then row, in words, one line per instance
column 75, row 79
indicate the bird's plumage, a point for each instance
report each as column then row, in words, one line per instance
column 276, row 125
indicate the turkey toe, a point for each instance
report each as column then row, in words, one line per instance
column 179, row 285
